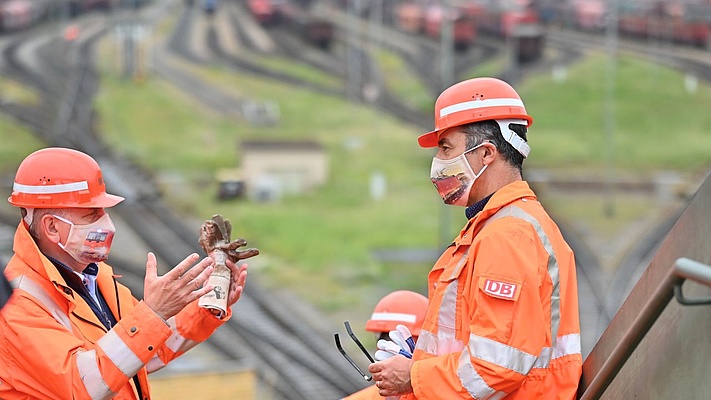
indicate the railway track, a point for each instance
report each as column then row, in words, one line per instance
column 684, row 58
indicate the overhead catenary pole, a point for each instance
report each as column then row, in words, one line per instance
column 353, row 61
column 446, row 80
column 371, row 93
column 609, row 119
column 372, row 90
column 446, row 46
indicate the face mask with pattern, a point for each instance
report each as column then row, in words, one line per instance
column 454, row 178
column 89, row 243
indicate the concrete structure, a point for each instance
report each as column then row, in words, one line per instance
column 272, row 169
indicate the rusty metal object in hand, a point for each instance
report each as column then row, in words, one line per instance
column 215, row 240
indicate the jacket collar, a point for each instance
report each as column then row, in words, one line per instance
column 26, row 249
column 507, row 194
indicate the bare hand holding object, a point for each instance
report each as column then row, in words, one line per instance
column 167, row 295
column 239, row 277
column 392, row 376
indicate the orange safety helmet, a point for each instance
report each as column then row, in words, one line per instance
column 473, row 100
column 399, row 307
column 57, row 177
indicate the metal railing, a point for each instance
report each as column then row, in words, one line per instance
column 671, row 286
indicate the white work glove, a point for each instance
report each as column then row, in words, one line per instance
column 402, row 344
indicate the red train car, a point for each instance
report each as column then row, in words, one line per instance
column 295, row 15
column 464, row 32
column 682, row 23
column 501, row 17
column 529, row 42
column 410, row 17
column 21, row 14
column 265, row 11
column 672, row 22
column 517, row 20
column 589, row 15
column 463, row 27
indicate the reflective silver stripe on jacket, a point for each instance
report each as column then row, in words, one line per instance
column 176, row 342
column 500, row 354
column 566, row 345
column 154, row 364
column 553, row 271
column 28, row 285
column 119, row 353
column 473, row 382
column 91, row 377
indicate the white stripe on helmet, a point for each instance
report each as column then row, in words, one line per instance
column 50, row 189
column 393, row 317
column 475, row 104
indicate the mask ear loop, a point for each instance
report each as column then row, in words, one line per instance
column 30, row 216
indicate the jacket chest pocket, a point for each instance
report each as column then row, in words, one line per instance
column 448, row 290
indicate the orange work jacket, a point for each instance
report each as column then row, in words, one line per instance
column 52, row 345
column 503, row 315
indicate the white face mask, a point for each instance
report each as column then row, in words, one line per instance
column 89, row 243
column 454, row 178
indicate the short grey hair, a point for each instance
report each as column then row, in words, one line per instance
column 37, row 214
column 489, row 131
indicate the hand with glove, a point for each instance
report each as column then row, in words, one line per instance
column 400, row 343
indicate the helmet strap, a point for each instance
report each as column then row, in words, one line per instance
column 512, row 137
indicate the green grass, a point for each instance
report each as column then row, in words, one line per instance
column 299, row 70
column 492, row 67
column 403, row 82
column 150, row 124
column 658, row 125
column 17, row 143
column 12, row 91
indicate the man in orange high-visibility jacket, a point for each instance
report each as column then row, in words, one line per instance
column 502, row 320
column 70, row 330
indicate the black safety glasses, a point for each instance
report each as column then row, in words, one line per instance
column 362, row 348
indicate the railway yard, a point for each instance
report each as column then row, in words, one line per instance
column 291, row 359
